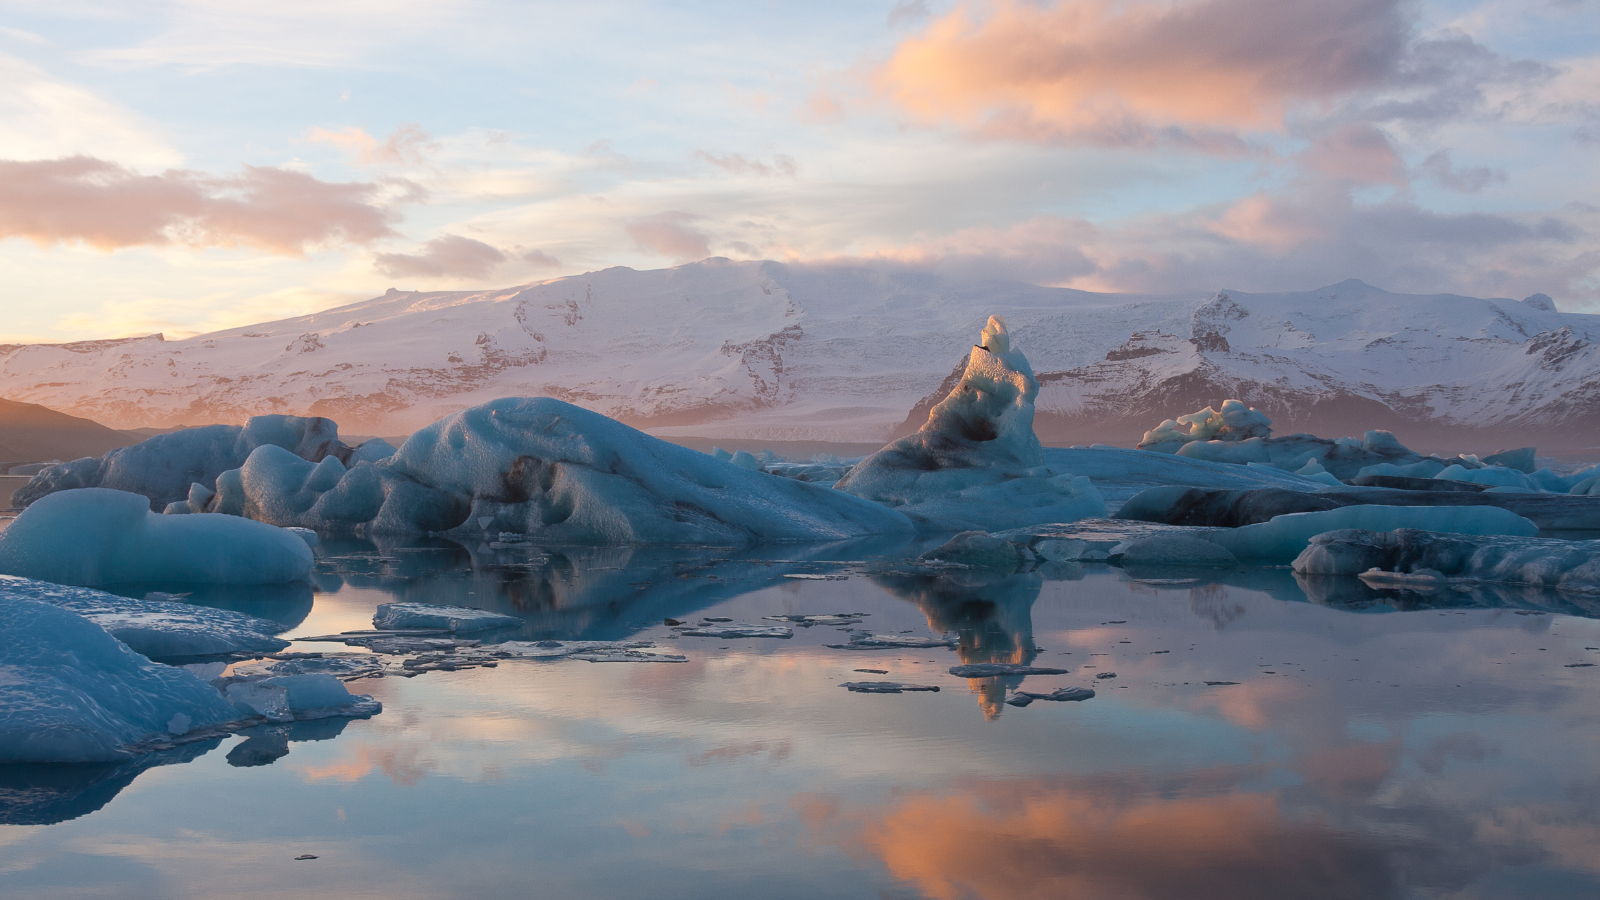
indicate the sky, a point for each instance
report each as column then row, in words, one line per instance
column 185, row 166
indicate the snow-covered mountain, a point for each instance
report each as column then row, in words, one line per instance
column 769, row 351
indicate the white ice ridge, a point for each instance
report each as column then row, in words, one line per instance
column 155, row 628
column 70, row 692
column 976, row 463
column 551, row 471
column 93, row 536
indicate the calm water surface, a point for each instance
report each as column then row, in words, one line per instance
column 1374, row 745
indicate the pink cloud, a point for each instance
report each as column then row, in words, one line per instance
column 734, row 164
column 1141, row 72
column 448, row 256
column 1357, row 153
column 403, row 147
column 102, row 204
column 540, row 259
column 671, row 234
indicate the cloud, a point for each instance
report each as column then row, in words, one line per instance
column 45, row 118
column 448, row 256
column 403, row 147
column 908, row 12
column 671, row 234
column 1438, row 168
column 1206, row 75
column 734, row 164
column 104, row 205
column 540, row 259
column 1356, row 153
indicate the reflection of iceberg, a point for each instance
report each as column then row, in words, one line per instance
column 992, row 614
column 47, row 793
column 266, row 744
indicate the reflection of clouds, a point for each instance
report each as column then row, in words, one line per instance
column 403, row 764
column 1102, row 840
column 775, row 752
column 1258, row 705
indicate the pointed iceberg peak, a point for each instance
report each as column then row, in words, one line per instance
column 994, row 338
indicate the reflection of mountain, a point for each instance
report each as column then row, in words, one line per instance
column 572, row 593
column 1350, row 593
column 991, row 613
column 47, row 794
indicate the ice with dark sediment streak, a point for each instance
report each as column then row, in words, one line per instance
column 97, row 536
column 976, row 463
column 1023, row 698
column 1416, row 558
column 552, row 472
column 155, row 628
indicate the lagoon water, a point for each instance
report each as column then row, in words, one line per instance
column 1261, row 738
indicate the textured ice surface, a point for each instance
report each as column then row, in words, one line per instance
column 738, row 631
column 867, row 641
column 995, row 670
column 1119, row 474
column 1174, row 550
column 155, row 628
column 1179, row 505
column 163, row 467
column 976, row 463
column 553, row 472
column 287, row 698
column 449, row 618
column 70, row 692
column 1284, row 537
column 1023, row 698
column 99, row 536
column 1430, row 557
column 977, row 548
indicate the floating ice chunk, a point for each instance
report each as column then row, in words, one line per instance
column 868, row 641
column 886, row 687
column 745, row 460
column 286, row 698
column 1233, row 422
column 993, row 670
column 1173, row 550
column 810, row 621
column 976, row 463
column 1284, row 537
column 98, row 536
column 155, row 628
column 1522, row 460
column 1023, row 698
column 739, row 631
column 1060, row 550
column 557, row 472
column 70, row 692
column 1426, row 468
column 459, row 619
column 1589, row 487
column 1497, row 476
column 1421, row 557
column 978, row 548
column 162, row 468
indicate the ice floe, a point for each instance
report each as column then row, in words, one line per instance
column 156, row 628
column 736, row 631
column 1181, row 505
column 98, row 536
column 1416, row 558
column 887, row 687
column 457, row 619
column 70, row 692
column 1023, row 698
column 998, row 670
column 869, row 641
column 976, row 463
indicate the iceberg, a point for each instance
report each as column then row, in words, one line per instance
column 458, row 619
column 70, row 692
column 976, row 464
column 291, row 698
column 164, row 468
column 1285, row 537
column 155, row 628
column 553, row 472
column 93, row 536
column 1179, row 505
column 1427, row 559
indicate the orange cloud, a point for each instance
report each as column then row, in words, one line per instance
column 1100, row 840
column 102, row 204
column 1142, row 72
column 403, row 147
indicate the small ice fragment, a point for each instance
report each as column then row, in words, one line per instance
column 991, row 670
column 872, row 671
column 1218, row 683
column 1069, row 693
column 739, row 631
column 869, row 641
column 886, row 687
column 1104, row 675
column 305, row 856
